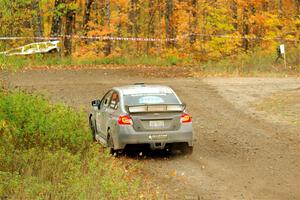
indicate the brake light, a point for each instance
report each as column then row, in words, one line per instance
column 186, row 118
column 124, row 120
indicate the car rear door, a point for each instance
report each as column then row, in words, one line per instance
column 101, row 115
column 112, row 113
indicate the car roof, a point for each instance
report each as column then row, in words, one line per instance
column 144, row 89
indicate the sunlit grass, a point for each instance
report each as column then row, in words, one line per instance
column 252, row 64
column 285, row 106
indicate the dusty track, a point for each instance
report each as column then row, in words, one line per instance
column 237, row 155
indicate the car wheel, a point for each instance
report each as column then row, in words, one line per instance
column 53, row 51
column 92, row 129
column 187, row 150
column 110, row 145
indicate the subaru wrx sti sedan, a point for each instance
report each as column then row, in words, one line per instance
column 145, row 115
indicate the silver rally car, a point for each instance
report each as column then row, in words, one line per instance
column 141, row 114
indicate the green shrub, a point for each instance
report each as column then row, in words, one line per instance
column 32, row 122
column 62, row 175
column 12, row 62
column 46, row 152
column 172, row 60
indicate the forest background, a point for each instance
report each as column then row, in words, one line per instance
column 233, row 32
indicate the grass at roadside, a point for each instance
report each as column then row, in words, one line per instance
column 255, row 64
column 46, row 153
column 19, row 62
column 285, row 106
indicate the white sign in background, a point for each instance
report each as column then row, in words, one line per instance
column 282, row 49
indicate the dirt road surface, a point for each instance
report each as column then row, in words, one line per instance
column 238, row 154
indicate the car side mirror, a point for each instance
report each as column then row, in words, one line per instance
column 96, row 103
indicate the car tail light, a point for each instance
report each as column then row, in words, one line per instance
column 186, row 118
column 125, row 120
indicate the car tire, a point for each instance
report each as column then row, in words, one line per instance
column 53, row 51
column 187, row 150
column 93, row 130
column 110, row 145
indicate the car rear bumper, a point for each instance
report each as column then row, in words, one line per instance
column 157, row 140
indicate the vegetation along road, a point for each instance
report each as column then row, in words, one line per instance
column 247, row 130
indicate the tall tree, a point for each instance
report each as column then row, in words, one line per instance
column 133, row 15
column 297, row 7
column 170, row 31
column 234, row 10
column 37, row 20
column 194, row 21
column 70, row 20
column 86, row 15
column 245, row 29
column 107, row 14
column 280, row 9
column 151, row 19
column 297, row 13
column 57, row 18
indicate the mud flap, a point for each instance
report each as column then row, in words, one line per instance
column 157, row 145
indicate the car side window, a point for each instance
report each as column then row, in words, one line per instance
column 106, row 100
column 114, row 102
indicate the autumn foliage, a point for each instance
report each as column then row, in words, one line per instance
column 197, row 29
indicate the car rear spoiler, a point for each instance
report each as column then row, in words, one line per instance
column 156, row 108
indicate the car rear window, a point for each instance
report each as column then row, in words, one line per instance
column 141, row 99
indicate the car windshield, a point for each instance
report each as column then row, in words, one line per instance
column 159, row 98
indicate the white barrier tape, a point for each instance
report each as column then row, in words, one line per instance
column 90, row 38
column 121, row 38
column 247, row 37
column 149, row 39
column 33, row 38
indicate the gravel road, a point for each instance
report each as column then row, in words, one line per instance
column 238, row 155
